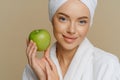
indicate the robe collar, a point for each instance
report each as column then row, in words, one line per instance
column 82, row 58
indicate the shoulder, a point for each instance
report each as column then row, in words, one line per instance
column 104, row 57
column 106, row 65
column 28, row 73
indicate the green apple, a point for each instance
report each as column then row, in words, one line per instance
column 41, row 37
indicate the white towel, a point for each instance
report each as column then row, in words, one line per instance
column 81, row 61
column 54, row 5
column 89, row 63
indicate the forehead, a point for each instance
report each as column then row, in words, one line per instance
column 74, row 8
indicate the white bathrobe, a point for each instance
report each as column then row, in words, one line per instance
column 88, row 63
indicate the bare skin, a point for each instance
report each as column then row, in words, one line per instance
column 44, row 68
column 70, row 26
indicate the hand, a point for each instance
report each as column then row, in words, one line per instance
column 44, row 68
column 38, row 65
column 51, row 70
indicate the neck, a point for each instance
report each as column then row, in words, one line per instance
column 63, row 55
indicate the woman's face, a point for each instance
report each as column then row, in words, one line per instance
column 70, row 24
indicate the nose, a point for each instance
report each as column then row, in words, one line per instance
column 71, row 28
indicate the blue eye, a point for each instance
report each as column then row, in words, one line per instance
column 83, row 22
column 62, row 19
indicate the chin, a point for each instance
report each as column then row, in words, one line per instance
column 71, row 47
column 67, row 46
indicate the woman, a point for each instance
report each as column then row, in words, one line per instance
column 72, row 57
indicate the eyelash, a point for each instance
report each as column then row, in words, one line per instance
column 63, row 19
column 82, row 22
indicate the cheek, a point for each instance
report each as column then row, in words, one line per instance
column 83, row 31
column 59, row 28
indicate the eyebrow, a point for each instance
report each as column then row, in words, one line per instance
column 63, row 14
column 82, row 17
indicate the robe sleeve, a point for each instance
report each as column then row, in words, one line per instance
column 116, row 72
column 108, row 69
column 28, row 74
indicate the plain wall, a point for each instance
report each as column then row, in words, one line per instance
column 19, row 17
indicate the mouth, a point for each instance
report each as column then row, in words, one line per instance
column 69, row 39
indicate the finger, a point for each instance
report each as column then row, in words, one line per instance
column 29, row 46
column 47, row 52
column 51, row 72
column 52, row 65
column 33, row 53
column 42, row 64
column 28, row 51
column 27, row 42
column 48, row 69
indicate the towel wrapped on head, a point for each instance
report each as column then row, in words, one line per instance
column 54, row 5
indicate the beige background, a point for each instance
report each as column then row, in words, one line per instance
column 19, row 17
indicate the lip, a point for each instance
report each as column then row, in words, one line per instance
column 69, row 39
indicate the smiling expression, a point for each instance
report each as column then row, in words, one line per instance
column 70, row 24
